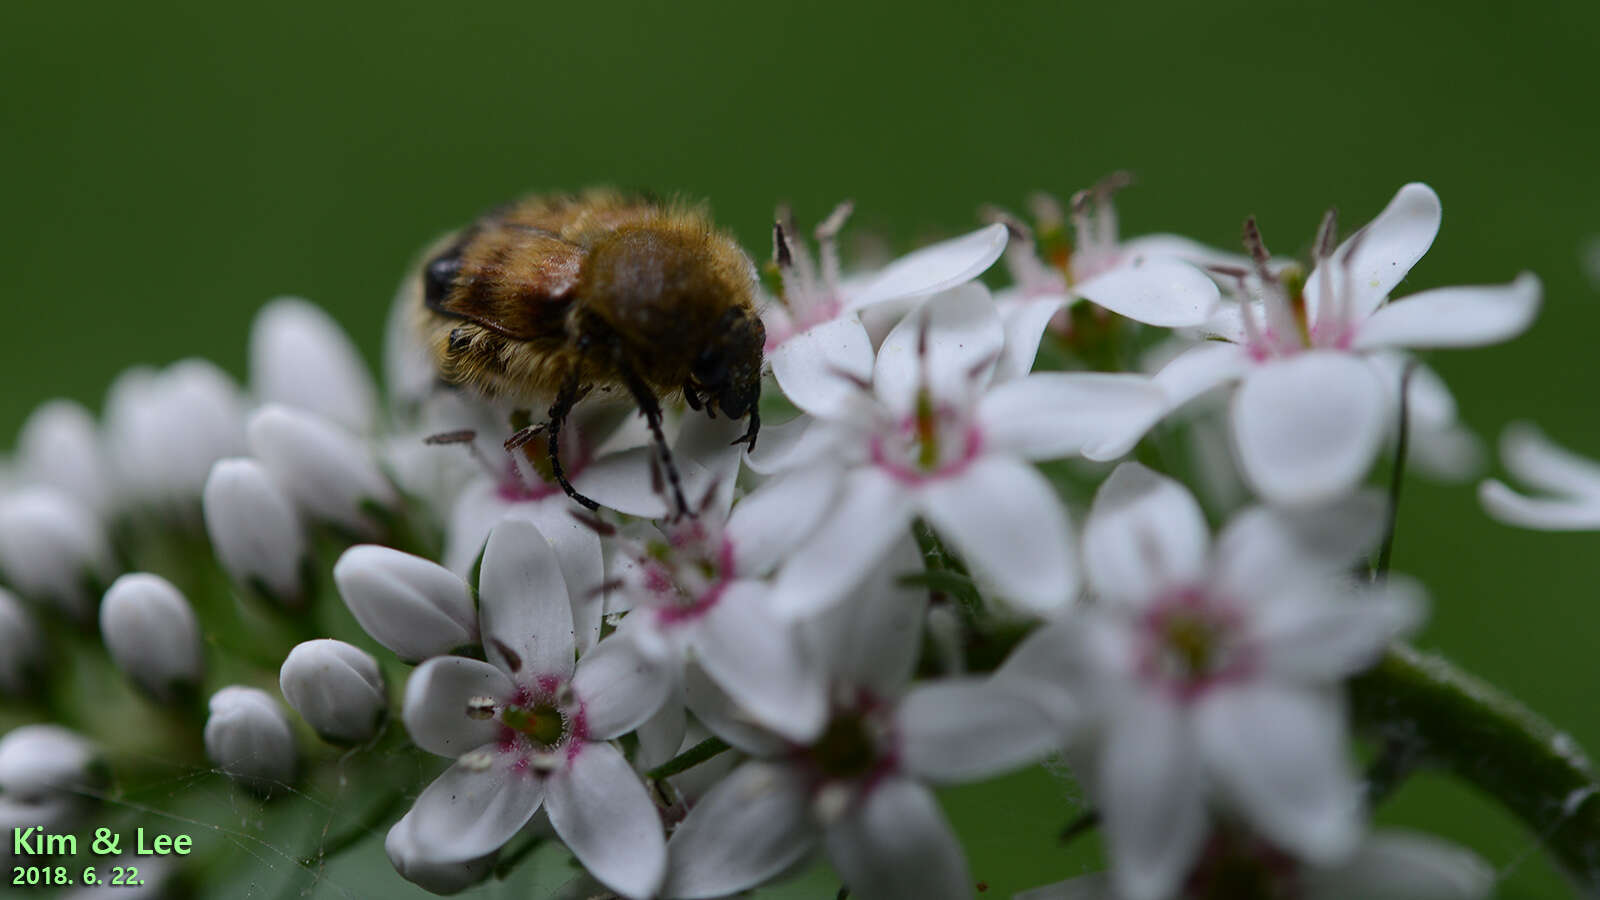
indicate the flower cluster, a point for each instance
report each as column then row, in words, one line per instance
column 952, row 560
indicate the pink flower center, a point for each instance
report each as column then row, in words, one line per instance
column 547, row 718
column 936, row 440
column 686, row 574
column 1190, row 642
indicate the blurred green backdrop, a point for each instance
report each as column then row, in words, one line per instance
column 169, row 167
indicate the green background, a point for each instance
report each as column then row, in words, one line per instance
column 167, row 168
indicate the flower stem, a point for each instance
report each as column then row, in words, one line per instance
column 1452, row 721
column 1397, row 476
column 688, row 759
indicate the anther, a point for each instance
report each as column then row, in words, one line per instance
column 594, row 523
column 1258, row 249
column 479, row 760
column 780, row 247
column 464, row 436
column 834, row 223
column 1328, row 233
column 481, row 708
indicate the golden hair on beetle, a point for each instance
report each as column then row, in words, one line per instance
column 543, row 300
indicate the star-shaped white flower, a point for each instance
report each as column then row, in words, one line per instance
column 1212, row 671
column 861, row 788
column 814, row 331
column 936, row 435
column 1312, row 410
column 530, row 729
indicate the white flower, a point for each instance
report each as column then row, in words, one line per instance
column 937, row 437
column 331, row 474
column 152, row 634
column 1312, row 411
column 413, row 606
column 1389, row 865
column 165, row 429
column 53, row 548
column 40, row 763
column 815, row 331
column 337, row 688
column 60, row 446
column 21, row 646
column 248, row 737
column 861, row 787
column 1212, row 672
column 414, row 864
column 255, row 531
column 1150, row 279
column 693, row 590
column 1573, row 481
column 300, row 357
column 530, row 730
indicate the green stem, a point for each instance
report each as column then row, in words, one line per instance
column 1450, row 720
column 1397, row 477
column 688, row 759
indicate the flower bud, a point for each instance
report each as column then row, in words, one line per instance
column 255, row 530
column 248, row 736
column 166, row 428
column 432, row 876
column 54, row 549
column 330, row 474
column 60, row 446
column 21, row 646
column 300, row 357
column 152, row 635
column 38, row 763
column 413, row 606
column 336, row 688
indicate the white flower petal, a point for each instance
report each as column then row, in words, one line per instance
column 1145, row 533
column 820, row 368
column 1050, row 415
column 1201, row 368
column 1321, row 634
column 1541, row 462
column 874, row 641
column 1510, row 507
column 1047, row 667
column 577, row 549
column 725, row 718
column 1306, row 429
column 434, row 877
column 1391, row 245
column 963, row 335
column 661, row 737
column 778, row 516
column 1405, row 865
column 1005, row 521
column 619, row 688
column 1151, row 797
column 964, row 729
column 757, row 659
column 937, row 267
column 788, row 445
column 601, row 811
column 1279, row 754
column 469, row 812
column 897, row 845
column 1024, row 320
column 873, row 511
column 523, row 603
column 749, row 828
column 437, row 695
column 1154, row 291
column 1455, row 316
column 1262, row 548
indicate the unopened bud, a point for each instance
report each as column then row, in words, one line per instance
column 300, row 357
column 331, row 474
column 415, row 607
column 248, row 736
column 337, row 688
column 152, row 635
column 59, row 446
column 255, row 531
column 54, row 549
column 39, row 763
column 21, row 646
column 165, row 429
